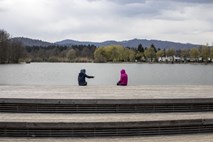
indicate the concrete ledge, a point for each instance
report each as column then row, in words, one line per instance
column 26, row 129
column 107, row 92
column 107, row 101
column 83, row 125
column 106, row 105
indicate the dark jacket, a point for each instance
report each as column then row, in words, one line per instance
column 81, row 78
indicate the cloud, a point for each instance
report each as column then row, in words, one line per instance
column 128, row 1
column 195, row 1
column 99, row 20
column 3, row 7
column 164, row 1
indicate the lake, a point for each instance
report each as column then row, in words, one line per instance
column 106, row 74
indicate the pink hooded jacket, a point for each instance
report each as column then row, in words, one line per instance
column 123, row 78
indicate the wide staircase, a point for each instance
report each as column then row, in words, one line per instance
column 104, row 117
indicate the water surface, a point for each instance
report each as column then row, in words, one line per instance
column 106, row 74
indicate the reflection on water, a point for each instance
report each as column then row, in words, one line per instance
column 106, row 74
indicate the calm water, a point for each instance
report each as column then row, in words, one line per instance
column 105, row 74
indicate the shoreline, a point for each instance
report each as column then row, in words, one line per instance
column 175, row 63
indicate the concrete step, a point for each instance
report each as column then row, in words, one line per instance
column 91, row 125
column 168, row 138
column 95, row 111
column 106, row 99
column 105, row 105
column 101, row 117
column 106, row 92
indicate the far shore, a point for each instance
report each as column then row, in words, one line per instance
column 192, row 63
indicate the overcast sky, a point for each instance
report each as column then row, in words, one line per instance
column 187, row 21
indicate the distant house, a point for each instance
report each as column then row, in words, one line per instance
column 193, row 59
column 164, row 59
column 188, row 59
column 181, row 59
column 169, row 59
column 177, row 59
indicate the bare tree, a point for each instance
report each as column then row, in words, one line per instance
column 16, row 51
column 4, row 43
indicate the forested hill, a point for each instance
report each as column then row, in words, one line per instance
column 132, row 43
column 127, row 43
column 32, row 42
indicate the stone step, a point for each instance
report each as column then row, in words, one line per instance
column 91, row 125
column 101, row 117
column 169, row 138
column 106, row 92
column 105, row 105
column 106, row 99
column 94, row 111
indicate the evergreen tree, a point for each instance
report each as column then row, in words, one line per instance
column 153, row 46
column 140, row 48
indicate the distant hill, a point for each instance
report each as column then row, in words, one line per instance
column 158, row 44
column 32, row 42
column 132, row 43
column 127, row 43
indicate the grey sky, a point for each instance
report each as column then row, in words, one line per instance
column 99, row 20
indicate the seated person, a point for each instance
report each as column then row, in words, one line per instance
column 81, row 78
column 123, row 78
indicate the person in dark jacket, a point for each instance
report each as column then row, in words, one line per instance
column 123, row 78
column 81, row 78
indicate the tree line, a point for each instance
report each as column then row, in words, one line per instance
column 55, row 53
column 117, row 53
column 13, row 51
column 197, row 54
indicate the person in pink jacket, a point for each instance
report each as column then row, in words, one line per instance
column 123, row 78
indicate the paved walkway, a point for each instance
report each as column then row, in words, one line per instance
column 106, row 92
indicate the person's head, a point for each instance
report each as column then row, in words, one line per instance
column 123, row 71
column 83, row 71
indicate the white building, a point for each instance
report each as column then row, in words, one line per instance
column 169, row 59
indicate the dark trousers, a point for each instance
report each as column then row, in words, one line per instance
column 82, row 84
